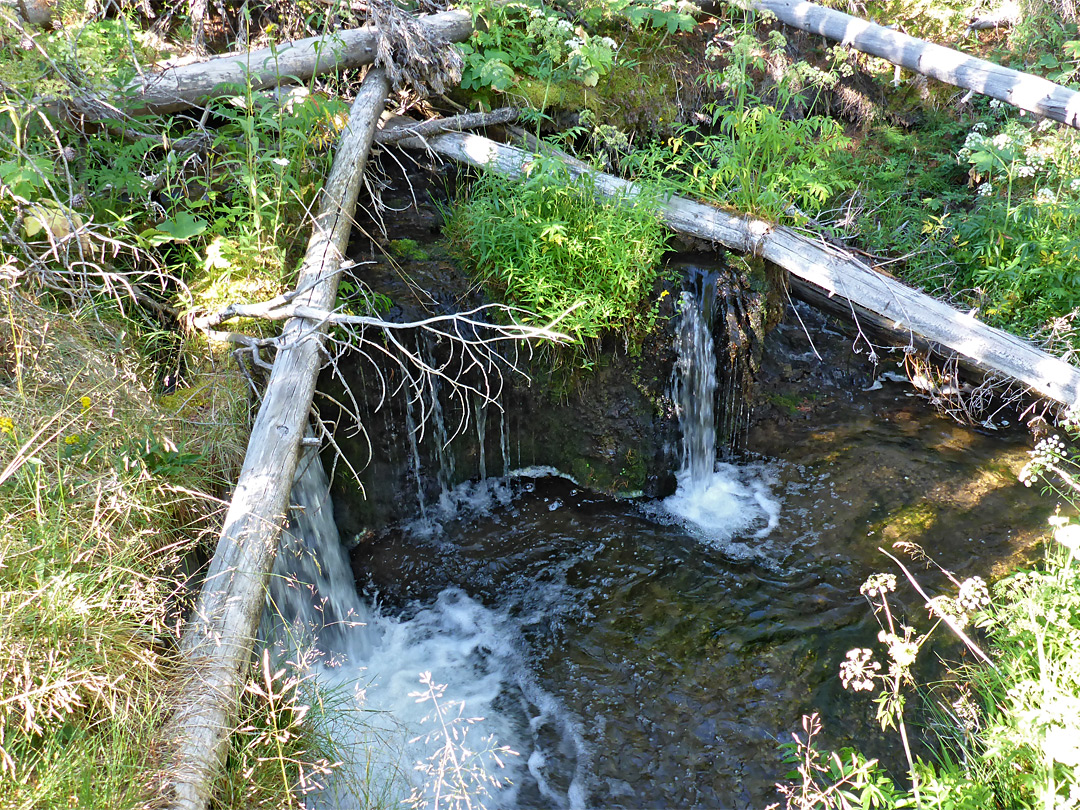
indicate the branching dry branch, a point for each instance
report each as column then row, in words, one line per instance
column 466, row 352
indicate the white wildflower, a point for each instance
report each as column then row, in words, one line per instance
column 1023, row 170
column 994, row 103
column 858, row 670
column 280, row 161
column 1045, row 196
column 1046, row 124
column 1069, row 536
column 878, row 584
column 985, row 190
column 974, row 595
column 902, row 651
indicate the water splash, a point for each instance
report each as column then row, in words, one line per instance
column 716, row 502
column 371, row 664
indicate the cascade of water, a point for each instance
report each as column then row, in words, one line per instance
column 312, row 598
column 480, row 411
column 414, row 454
column 443, row 454
column 695, row 392
column 504, row 440
column 313, row 606
column 717, row 501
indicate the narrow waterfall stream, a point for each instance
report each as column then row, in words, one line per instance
column 642, row 654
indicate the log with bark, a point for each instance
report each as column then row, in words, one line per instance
column 1031, row 93
column 217, row 647
column 822, row 270
column 177, row 88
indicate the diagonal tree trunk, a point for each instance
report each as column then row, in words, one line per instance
column 821, row 269
column 218, row 644
column 1031, row 93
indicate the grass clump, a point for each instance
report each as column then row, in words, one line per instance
column 108, row 500
column 545, row 244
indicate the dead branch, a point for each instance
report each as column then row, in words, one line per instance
column 407, row 133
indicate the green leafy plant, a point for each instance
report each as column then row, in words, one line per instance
column 757, row 160
column 546, row 245
column 526, row 39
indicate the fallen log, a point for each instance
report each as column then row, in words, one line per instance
column 1031, row 93
column 826, row 270
column 177, row 88
column 217, row 645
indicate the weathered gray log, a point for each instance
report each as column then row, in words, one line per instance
column 821, row 267
column 1022, row 90
column 177, row 88
column 218, row 643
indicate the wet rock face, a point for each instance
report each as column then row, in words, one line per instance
column 612, row 425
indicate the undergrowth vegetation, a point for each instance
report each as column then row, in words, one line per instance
column 548, row 246
column 121, row 429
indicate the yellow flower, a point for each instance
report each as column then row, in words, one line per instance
column 72, row 439
column 86, row 402
column 7, row 426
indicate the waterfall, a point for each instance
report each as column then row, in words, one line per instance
column 695, row 392
column 714, row 501
column 411, row 428
column 370, row 666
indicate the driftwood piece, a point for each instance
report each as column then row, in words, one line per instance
column 218, row 643
column 177, row 88
column 1031, row 93
column 828, row 271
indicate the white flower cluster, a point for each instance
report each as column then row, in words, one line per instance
column 858, row 670
column 985, row 190
column 974, row 595
column 878, row 584
column 1048, row 451
column 1045, row 196
column 902, row 651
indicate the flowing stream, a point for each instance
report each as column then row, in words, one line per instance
column 641, row 654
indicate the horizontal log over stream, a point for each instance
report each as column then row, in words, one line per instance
column 822, row 268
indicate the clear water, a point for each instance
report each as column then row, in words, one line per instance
column 645, row 654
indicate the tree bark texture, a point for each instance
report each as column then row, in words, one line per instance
column 218, row 643
column 1031, row 93
column 827, row 271
column 177, row 88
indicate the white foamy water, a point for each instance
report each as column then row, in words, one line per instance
column 716, row 502
column 397, row 744
column 735, row 501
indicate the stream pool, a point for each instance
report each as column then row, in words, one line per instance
column 651, row 654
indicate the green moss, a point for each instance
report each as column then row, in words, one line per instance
column 636, row 96
column 408, row 249
column 910, row 521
